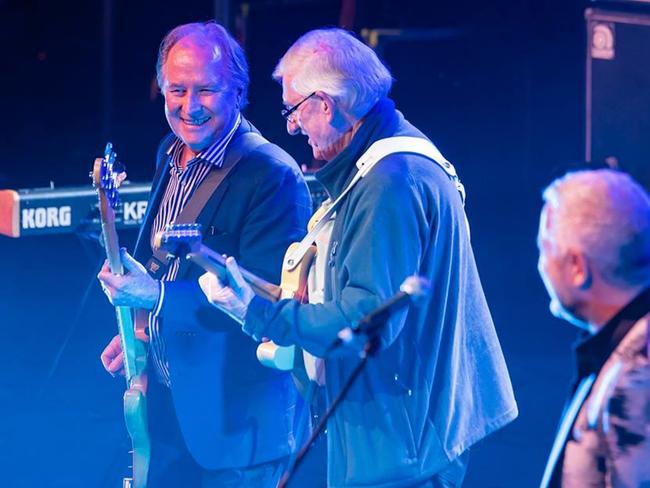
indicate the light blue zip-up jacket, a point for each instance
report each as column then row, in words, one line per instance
column 439, row 383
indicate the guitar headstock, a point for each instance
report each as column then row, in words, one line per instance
column 180, row 239
column 107, row 175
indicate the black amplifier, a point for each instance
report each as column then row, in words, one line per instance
column 618, row 91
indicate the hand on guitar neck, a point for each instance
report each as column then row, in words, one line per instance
column 232, row 296
column 231, row 288
column 134, row 289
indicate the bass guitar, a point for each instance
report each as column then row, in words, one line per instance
column 185, row 240
column 106, row 180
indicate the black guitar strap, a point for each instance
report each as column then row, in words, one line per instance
column 238, row 148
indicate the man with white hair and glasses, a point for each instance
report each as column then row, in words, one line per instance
column 438, row 382
column 594, row 258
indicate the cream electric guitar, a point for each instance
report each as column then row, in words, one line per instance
column 185, row 240
column 106, row 180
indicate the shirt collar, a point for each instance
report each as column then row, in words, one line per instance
column 213, row 154
column 593, row 350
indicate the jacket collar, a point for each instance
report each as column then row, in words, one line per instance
column 593, row 350
column 381, row 121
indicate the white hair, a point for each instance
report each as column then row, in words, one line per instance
column 606, row 215
column 335, row 62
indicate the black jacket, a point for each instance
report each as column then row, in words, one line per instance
column 232, row 411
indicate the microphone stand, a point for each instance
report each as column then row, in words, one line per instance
column 369, row 350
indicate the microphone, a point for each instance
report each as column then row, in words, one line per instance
column 413, row 288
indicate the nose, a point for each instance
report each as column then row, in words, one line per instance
column 292, row 126
column 192, row 103
column 541, row 267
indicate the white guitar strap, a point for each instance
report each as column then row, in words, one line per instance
column 375, row 153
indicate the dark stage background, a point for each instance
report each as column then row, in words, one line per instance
column 498, row 86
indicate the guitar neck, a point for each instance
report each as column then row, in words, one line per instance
column 112, row 247
column 134, row 351
column 215, row 263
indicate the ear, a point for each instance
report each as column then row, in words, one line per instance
column 239, row 92
column 579, row 269
column 327, row 105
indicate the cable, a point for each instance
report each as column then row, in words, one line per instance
column 303, row 422
column 69, row 333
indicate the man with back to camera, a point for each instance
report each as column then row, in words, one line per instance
column 216, row 416
column 594, row 259
column 439, row 383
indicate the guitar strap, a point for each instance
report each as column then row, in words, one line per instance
column 375, row 153
column 240, row 147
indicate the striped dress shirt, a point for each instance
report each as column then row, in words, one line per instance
column 182, row 184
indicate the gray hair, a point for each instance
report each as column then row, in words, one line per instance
column 335, row 62
column 606, row 215
column 213, row 35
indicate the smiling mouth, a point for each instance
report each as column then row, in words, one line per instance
column 195, row 122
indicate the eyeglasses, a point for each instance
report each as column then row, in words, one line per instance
column 288, row 112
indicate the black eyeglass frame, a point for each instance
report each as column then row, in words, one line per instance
column 288, row 112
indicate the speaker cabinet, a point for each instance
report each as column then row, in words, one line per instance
column 618, row 91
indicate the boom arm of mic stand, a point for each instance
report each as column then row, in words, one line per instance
column 369, row 350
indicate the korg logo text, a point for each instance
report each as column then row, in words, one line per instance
column 42, row 217
column 134, row 211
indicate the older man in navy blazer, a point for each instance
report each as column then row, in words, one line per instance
column 217, row 417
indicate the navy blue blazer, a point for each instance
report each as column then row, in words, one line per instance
column 232, row 411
